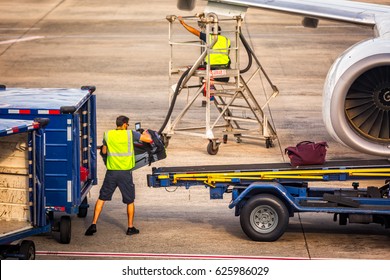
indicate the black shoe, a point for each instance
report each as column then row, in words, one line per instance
column 131, row 231
column 91, row 230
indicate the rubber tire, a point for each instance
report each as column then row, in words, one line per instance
column 225, row 138
column 210, row 149
column 65, row 229
column 83, row 211
column 27, row 249
column 273, row 209
column 268, row 143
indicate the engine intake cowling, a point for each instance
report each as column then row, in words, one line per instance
column 356, row 105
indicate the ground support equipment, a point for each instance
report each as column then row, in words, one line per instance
column 238, row 112
column 22, row 199
column 70, row 145
column 266, row 195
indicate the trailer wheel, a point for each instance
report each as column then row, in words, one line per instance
column 225, row 138
column 264, row 218
column 210, row 147
column 269, row 143
column 83, row 209
column 65, row 229
column 27, row 250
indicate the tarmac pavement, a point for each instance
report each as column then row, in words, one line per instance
column 122, row 48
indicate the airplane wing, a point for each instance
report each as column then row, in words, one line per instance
column 373, row 15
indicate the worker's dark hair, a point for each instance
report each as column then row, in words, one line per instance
column 121, row 120
column 219, row 29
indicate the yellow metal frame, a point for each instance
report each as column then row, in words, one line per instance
column 211, row 179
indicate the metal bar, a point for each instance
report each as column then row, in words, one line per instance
column 182, row 113
column 221, row 114
column 197, row 127
column 301, row 174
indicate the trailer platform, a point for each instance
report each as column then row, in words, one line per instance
column 266, row 195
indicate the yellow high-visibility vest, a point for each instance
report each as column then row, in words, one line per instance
column 220, row 52
column 120, row 149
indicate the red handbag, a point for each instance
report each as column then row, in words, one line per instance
column 307, row 153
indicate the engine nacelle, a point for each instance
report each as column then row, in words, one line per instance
column 356, row 99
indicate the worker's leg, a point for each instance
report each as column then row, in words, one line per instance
column 98, row 209
column 108, row 188
column 130, row 218
column 127, row 189
column 130, row 214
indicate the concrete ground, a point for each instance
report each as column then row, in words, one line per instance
column 122, row 48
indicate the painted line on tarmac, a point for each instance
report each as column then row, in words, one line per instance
column 21, row 40
column 158, row 255
column 19, row 28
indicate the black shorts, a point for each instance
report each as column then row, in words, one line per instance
column 118, row 178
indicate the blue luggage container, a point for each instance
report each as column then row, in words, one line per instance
column 71, row 151
column 22, row 208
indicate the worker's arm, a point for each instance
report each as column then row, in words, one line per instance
column 104, row 149
column 189, row 28
column 145, row 137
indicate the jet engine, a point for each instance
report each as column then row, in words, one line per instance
column 356, row 98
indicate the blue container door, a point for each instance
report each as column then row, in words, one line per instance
column 60, row 179
column 37, row 178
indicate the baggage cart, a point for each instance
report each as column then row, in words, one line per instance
column 265, row 196
column 71, row 151
column 22, row 207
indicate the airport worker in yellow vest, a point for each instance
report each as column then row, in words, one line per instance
column 119, row 147
column 219, row 59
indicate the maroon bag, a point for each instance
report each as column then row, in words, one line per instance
column 307, row 153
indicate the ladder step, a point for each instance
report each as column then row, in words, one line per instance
column 220, row 73
column 238, row 107
column 226, row 90
column 228, row 84
column 221, row 94
column 226, row 93
column 232, row 118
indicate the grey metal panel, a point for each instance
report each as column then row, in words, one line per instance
column 338, row 10
column 41, row 98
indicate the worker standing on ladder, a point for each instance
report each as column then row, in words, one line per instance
column 219, row 58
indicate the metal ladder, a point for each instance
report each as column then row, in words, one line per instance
column 238, row 111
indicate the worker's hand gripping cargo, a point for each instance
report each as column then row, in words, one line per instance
column 148, row 152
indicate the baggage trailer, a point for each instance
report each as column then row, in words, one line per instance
column 265, row 196
column 70, row 163
column 22, row 207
